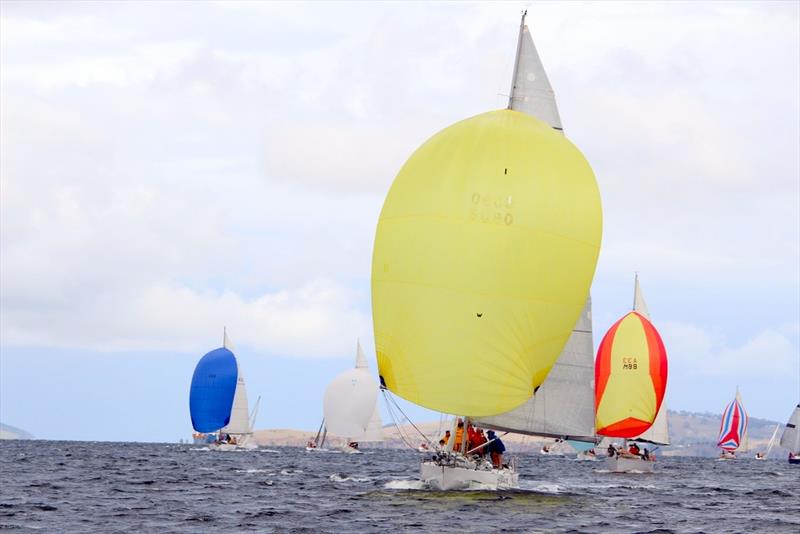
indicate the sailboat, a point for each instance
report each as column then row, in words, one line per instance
column 765, row 455
column 631, row 378
column 733, row 428
column 790, row 439
column 472, row 303
column 218, row 400
column 350, row 406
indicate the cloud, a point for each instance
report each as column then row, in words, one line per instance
column 694, row 351
column 164, row 172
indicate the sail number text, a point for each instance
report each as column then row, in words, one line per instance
column 491, row 209
column 629, row 363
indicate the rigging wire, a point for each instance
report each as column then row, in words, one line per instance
column 390, row 401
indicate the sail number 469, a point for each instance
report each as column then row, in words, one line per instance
column 629, row 363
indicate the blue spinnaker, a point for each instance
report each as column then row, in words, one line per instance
column 211, row 394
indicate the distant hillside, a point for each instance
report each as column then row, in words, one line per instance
column 692, row 434
column 12, row 432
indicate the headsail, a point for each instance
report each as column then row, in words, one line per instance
column 630, row 376
column 531, row 91
column 733, row 426
column 658, row 433
column 790, row 439
column 212, row 391
column 563, row 407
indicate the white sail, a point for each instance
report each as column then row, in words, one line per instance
column 772, row 441
column 658, row 433
column 563, row 407
column 361, row 360
column 240, row 416
column 531, row 91
column 374, row 431
column 790, row 439
column 349, row 402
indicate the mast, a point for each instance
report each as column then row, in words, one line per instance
column 516, row 60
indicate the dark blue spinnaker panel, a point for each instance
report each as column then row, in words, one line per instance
column 211, row 394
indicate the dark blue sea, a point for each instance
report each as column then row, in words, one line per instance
column 56, row 486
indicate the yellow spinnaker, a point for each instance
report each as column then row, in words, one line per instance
column 484, row 253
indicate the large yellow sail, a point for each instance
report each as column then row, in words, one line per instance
column 484, row 253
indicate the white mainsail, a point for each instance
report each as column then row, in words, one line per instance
column 240, row 412
column 531, row 91
column 790, row 439
column 563, row 407
column 658, row 433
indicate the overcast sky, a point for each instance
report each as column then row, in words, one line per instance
column 167, row 169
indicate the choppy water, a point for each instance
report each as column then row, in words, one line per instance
column 107, row 487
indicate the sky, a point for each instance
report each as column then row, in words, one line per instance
column 167, row 169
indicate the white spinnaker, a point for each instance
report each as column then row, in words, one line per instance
column 240, row 413
column 531, row 91
column 563, row 407
column 658, row 432
column 374, row 431
column 349, row 402
column 790, row 439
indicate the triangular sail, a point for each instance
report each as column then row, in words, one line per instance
column 790, row 439
column 658, row 433
column 531, row 91
column 772, row 441
column 564, row 404
column 361, row 359
column 240, row 412
column 374, row 431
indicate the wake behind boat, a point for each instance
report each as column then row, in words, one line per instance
column 455, row 308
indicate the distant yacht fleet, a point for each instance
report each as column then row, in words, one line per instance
column 484, row 255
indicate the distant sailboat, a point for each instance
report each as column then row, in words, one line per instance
column 350, row 406
column 472, row 304
column 631, row 377
column 790, row 439
column 765, row 455
column 733, row 428
column 218, row 400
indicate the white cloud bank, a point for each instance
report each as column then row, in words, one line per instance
column 166, row 171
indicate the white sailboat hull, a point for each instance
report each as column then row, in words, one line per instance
column 446, row 478
column 622, row 464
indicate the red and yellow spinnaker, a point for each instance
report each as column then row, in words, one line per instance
column 630, row 377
